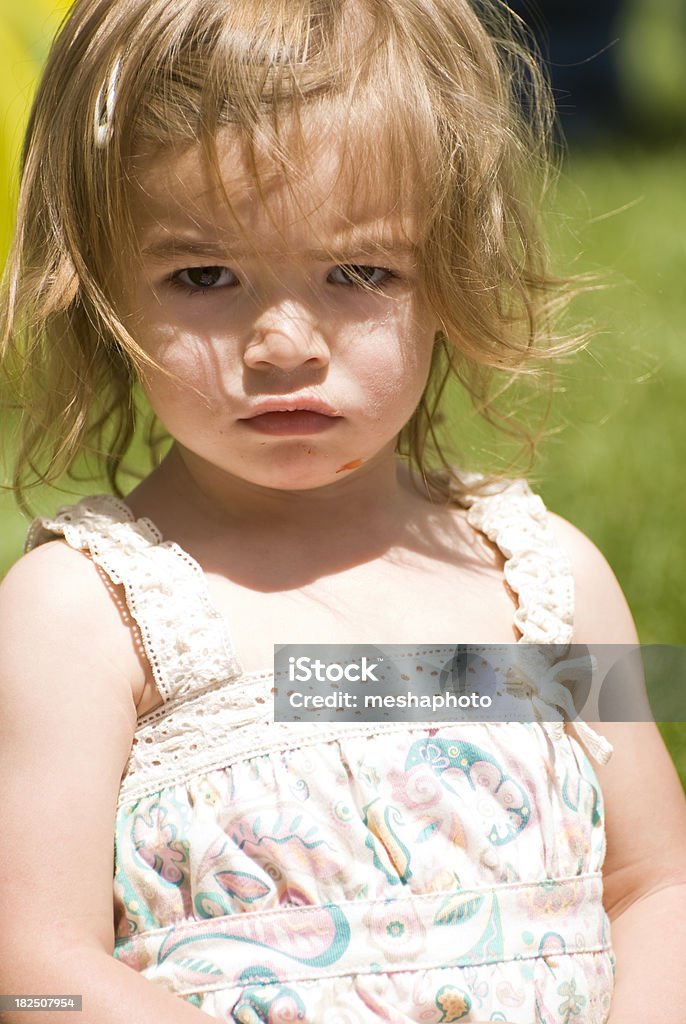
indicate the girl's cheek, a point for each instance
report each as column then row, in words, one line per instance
column 394, row 361
column 204, row 361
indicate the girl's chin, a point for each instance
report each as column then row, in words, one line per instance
column 299, row 471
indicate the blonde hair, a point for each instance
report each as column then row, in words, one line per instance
column 461, row 109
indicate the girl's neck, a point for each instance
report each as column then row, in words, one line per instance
column 188, row 495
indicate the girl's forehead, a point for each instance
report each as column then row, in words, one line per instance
column 333, row 191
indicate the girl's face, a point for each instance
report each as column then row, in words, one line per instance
column 287, row 373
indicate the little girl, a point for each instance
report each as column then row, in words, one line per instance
column 282, row 226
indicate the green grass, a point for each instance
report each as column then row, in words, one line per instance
column 617, row 469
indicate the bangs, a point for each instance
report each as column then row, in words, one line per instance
column 323, row 198
column 314, row 76
column 415, row 97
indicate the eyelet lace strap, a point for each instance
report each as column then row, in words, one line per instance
column 538, row 570
column 536, row 567
column 183, row 636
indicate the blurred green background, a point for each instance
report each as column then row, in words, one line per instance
column 615, row 457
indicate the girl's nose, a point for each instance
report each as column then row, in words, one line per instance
column 285, row 337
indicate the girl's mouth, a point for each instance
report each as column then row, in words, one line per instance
column 295, row 421
column 296, row 415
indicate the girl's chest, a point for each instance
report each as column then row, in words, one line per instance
column 385, row 606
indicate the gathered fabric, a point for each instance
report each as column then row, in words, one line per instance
column 350, row 871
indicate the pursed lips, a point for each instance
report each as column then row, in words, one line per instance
column 292, row 404
column 281, row 416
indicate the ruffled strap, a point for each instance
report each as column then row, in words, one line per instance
column 536, row 567
column 540, row 573
column 184, row 637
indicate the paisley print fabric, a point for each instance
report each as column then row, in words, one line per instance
column 401, row 872
column 437, row 874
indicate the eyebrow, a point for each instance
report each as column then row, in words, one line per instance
column 171, row 248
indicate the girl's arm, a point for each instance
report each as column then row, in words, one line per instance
column 69, row 674
column 645, row 876
column 645, row 867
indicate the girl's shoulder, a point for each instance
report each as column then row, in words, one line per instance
column 172, row 640
column 601, row 612
column 57, row 608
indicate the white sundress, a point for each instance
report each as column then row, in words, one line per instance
column 350, row 873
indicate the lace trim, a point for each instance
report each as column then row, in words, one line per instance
column 182, row 634
column 536, row 567
column 231, row 723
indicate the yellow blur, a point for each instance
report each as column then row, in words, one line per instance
column 26, row 29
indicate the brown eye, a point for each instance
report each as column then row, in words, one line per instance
column 205, row 277
column 357, row 274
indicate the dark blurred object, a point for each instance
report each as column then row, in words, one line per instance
column 578, row 40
